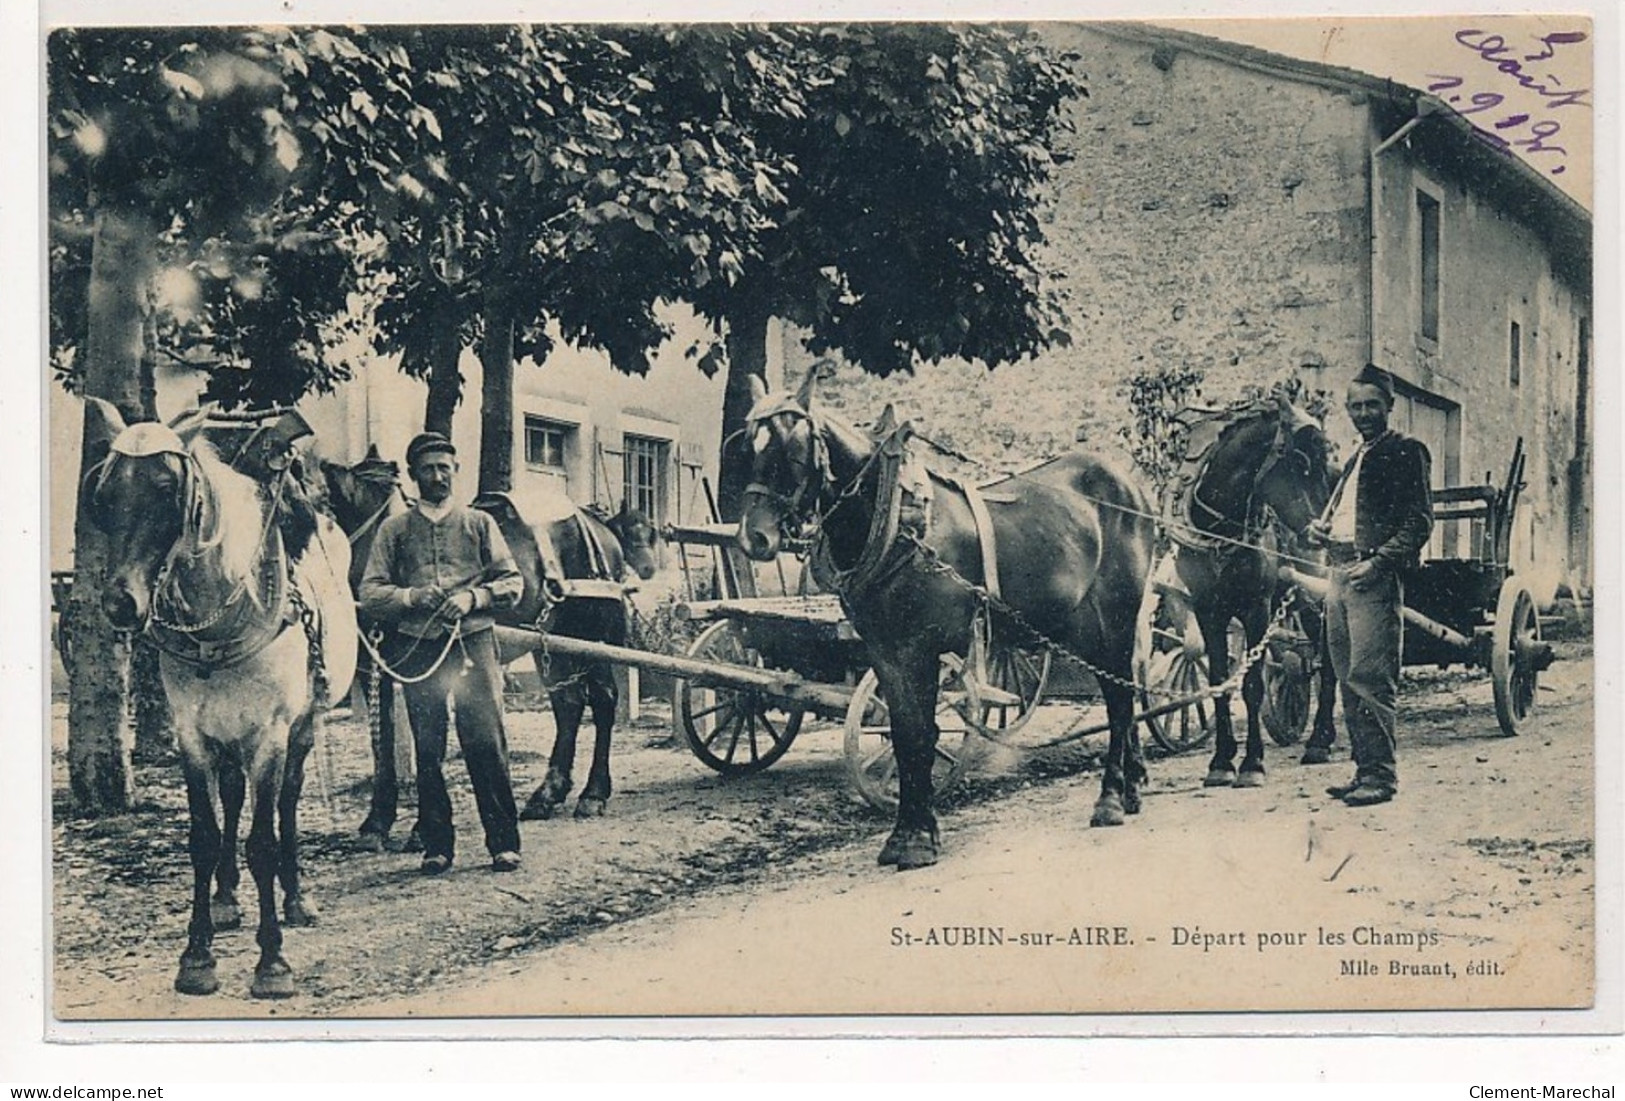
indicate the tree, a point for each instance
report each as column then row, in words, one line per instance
column 594, row 174
column 169, row 153
column 913, row 229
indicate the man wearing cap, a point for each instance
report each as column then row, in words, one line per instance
column 435, row 574
column 1379, row 518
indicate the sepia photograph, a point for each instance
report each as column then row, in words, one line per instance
column 557, row 523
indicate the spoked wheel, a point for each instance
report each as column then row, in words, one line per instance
column 1518, row 655
column 732, row 730
column 870, row 763
column 1287, row 682
column 1170, row 660
column 1006, row 693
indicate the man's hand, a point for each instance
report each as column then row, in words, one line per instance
column 426, row 598
column 1363, row 574
column 458, row 606
column 1318, row 533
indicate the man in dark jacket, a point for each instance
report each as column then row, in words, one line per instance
column 1379, row 518
column 435, row 574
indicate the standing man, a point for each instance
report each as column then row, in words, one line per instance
column 435, row 574
column 1378, row 520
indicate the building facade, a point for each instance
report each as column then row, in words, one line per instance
column 1253, row 215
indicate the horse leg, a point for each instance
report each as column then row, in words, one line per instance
column 196, row 974
column 273, row 978
column 602, row 695
column 569, row 700
column 1323, row 733
column 1125, row 759
column 224, row 911
column 296, row 908
column 909, row 684
column 1221, row 770
column 1252, row 694
column 385, row 785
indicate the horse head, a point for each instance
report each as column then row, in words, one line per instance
column 360, row 492
column 637, row 535
column 148, row 494
column 1296, row 480
column 789, row 468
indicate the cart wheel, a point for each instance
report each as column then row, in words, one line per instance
column 732, row 730
column 870, row 763
column 1515, row 660
column 1286, row 684
column 1001, row 704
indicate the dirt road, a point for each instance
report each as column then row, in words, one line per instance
column 703, row 896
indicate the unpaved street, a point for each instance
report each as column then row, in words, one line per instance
column 698, row 895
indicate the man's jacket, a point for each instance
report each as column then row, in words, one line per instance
column 464, row 550
column 1393, row 508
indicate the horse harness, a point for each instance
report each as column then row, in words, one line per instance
column 246, row 623
column 1203, row 436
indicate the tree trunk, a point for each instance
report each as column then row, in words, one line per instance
column 122, row 261
column 445, row 378
column 747, row 357
column 496, row 395
column 149, row 705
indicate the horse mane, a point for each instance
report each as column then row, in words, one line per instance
column 224, row 514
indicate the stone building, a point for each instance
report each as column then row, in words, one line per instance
column 1254, row 215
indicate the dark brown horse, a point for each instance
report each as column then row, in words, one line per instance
column 548, row 556
column 1074, row 543
column 1267, row 457
column 362, row 497
column 578, row 547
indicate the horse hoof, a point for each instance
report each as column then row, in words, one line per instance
column 1316, row 755
column 1250, row 779
column 273, row 980
column 907, row 849
column 196, row 977
column 297, row 910
column 371, row 841
column 1109, row 811
column 538, row 809
column 414, row 842
column 590, row 808
column 225, row 914
column 1131, row 802
column 1219, row 778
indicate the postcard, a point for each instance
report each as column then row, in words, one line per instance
column 1044, row 526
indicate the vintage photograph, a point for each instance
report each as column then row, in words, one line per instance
column 873, row 519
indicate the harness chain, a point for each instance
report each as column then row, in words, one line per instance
column 313, row 641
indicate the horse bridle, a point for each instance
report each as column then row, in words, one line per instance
column 1283, row 443
column 814, row 467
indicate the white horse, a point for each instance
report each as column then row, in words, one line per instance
column 251, row 613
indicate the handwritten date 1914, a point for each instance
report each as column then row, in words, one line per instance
column 1516, row 128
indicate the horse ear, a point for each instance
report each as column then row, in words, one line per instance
column 189, row 422
column 103, row 422
column 758, row 389
column 804, row 396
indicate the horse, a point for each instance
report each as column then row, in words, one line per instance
column 1073, row 538
column 578, row 545
column 362, row 497
column 1252, row 457
column 247, row 607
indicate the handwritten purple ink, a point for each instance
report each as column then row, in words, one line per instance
column 1493, row 49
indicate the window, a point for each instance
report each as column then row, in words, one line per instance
column 647, row 463
column 1515, row 354
column 545, row 442
column 1427, row 209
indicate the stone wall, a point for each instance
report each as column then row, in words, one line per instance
column 1211, row 216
